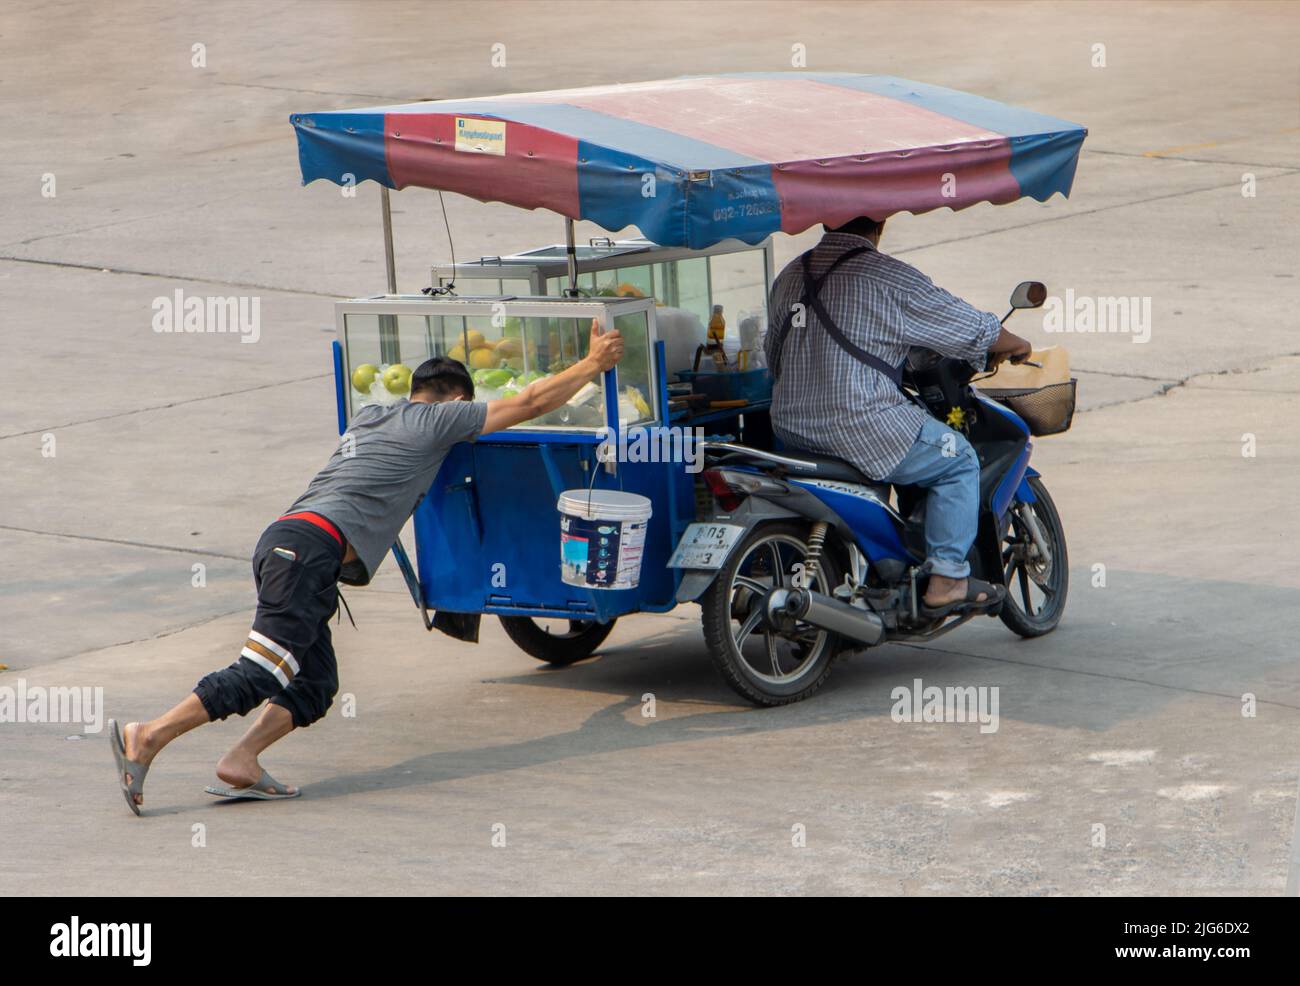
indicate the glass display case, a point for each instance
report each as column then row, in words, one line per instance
column 506, row 343
column 733, row 274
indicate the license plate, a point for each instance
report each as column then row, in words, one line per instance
column 705, row 546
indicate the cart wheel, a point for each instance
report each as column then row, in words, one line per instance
column 765, row 666
column 1036, row 588
column 557, row 642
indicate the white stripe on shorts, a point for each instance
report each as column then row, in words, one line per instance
column 261, row 661
column 275, row 648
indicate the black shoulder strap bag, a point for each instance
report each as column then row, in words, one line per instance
column 811, row 301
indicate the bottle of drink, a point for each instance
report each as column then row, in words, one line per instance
column 716, row 333
column 717, row 326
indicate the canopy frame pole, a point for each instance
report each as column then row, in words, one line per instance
column 389, row 348
column 571, row 257
column 610, row 462
column 389, row 262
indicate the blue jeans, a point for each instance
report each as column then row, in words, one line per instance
column 943, row 462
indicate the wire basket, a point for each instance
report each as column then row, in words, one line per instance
column 1046, row 410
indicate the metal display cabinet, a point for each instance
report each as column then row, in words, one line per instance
column 733, row 274
column 506, row 343
column 487, row 533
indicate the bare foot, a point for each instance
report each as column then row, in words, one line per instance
column 240, row 769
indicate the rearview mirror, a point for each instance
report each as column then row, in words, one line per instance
column 1029, row 294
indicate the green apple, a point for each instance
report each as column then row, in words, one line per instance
column 493, row 378
column 363, row 376
column 397, row 378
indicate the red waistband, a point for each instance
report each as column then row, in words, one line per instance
column 319, row 521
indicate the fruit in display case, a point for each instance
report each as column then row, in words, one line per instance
column 493, row 378
column 389, row 384
column 623, row 290
column 364, row 376
column 638, row 401
column 483, row 358
column 518, row 364
column 397, row 378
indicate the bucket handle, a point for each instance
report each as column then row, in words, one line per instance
column 591, row 483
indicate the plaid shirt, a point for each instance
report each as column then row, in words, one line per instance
column 827, row 401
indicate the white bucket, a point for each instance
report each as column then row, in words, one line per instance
column 602, row 538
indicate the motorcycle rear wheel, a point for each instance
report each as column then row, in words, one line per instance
column 764, row 666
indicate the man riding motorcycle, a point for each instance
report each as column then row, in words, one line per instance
column 846, row 317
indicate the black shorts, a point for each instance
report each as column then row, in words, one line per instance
column 296, row 570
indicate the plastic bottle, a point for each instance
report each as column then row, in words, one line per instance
column 717, row 325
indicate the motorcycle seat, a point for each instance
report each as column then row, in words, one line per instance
column 822, row 466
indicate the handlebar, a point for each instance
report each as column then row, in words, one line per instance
column 991, row 367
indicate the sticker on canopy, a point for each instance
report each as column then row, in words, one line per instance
column 481, row 136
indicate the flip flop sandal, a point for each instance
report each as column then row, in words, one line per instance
column 257, row 792
column 138, row 771
column 994, row 594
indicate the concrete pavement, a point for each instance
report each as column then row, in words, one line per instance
column 174, row 451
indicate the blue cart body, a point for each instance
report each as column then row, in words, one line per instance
column 487, row 533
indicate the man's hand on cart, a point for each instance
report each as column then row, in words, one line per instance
column 606, row 347
column 545, row 395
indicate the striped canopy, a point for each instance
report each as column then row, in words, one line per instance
column 696, row 160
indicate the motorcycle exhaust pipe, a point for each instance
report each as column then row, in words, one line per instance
column 825, row 613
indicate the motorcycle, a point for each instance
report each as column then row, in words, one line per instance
column 800, row 557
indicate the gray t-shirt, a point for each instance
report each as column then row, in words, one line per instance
column 386, row 461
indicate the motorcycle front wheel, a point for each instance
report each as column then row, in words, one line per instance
column 1036, row 585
